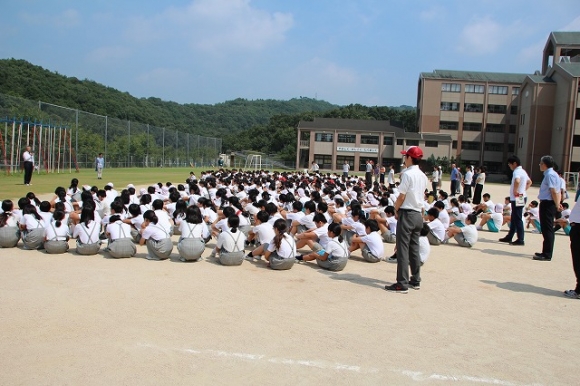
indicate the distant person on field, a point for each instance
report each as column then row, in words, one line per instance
column 99, row 165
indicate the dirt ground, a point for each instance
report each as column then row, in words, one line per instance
column 486, row 315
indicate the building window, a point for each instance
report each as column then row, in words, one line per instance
column 576, row 141
column 451, row 87
column 577, row 114
column 305, row 135
column 431, row 144
column 502, row 90
column 388, row 141
column 494, row 128
column 496, row 109
column 512, row 129
column 471, row 126
column 400, row 142
column 522, row 119
column 474, row 88
column 521, row 142
column 454, row 145
column 449, row 106
column 514, row 110
column 323, row 137
column 467, row 145
column 412, row 142
column 340, row 161
column 324, row 161
column 511, row 147
column 515, row 91
column 493, row 146
column 447, row 125
column 346, row 138
column 473, row 108
column 369, row 139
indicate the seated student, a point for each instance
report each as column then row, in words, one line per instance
column 86, row 232
column 493, row 220
column 9, row 231
column 443, row 214
column 335, row 256
column 163, row 219
column 467, row 235
column 295, row 214
column 305, row 222
column 230, row 244
column 315, row 238
column 371, row 245
column 157, row 238
column 388, row 225
column 220, row 224
column 135, row 220
column 119, row 235
column 532, row 215
column 563, row 222
column 485, row 207
column 263, row 233
column 193, row 232
column 32, row 228
column 437, row 231
column 178, row 214
column 45, row 212
column 56, row 234
column 352, row 225
column 280, row 252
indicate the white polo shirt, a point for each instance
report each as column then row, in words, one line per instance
column 520, row 173
column 413, row 185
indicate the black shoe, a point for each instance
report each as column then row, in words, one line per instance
column 299, row 257
column 415, row 285
column 397, row 288
column 505, row 240
column 517, row 242
column 539, row 254
column 542, row 258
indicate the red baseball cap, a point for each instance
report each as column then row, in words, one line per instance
column 413, row 152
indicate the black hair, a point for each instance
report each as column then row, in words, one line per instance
column 372, row 225
column 390, row 210
column 297, row 206
column 263, row 216
column 145, row 199
column 180, row 208
column 7, row 207
column 87, row 215
column 157, row 204
column 322, row 207
column 472, row 218
column 310, row 206
column 336, row 230
column 58, row 216
column 228, row 211
column 319, row 217
column 433, row 212
column 32, row 197
column 425, row 229
column 234, row 223
column 134, row 210
column 271, row 208
column 282, row 227
column 45, row 206
column 439, row 205
column 193, row 215
column 151, row 216
column 31, row 209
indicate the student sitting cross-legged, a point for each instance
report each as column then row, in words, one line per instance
column 230, row 244
column 9, row 231
column 159, row 244
column 280, row 252
column 335, row 256
column 193, row 232
column 467, row 235
column 371, row 245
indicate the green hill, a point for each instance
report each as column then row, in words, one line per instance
column 23, row 79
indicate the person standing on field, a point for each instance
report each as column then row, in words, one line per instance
column 409, row 209
column 520, row 183
column 99, row 165
column 28, row 161
column 550, row 204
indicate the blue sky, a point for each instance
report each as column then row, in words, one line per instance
column 208, row 51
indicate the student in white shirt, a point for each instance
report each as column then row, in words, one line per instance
column 230, row 244
column 163, row 219
column 158, row 240
column 194, row 231
column 437, row 234
column 86, row 233
column 467, row 235
column 443, row 214
column 316, row 238
column 281, row 250
column 352, row 225
column 263, row 233
column 387, row 225
column 9, row 231
column 493, row 220
column 56, row 234
column 335, row 256
column 119, row 235
column 32, row 228
column 371, row 244
column 306, row 222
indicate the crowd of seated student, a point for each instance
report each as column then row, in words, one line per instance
column 283, row 217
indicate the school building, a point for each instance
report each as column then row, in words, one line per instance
column 332, row 141
column 493, row 115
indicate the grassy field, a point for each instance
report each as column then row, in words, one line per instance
column 12, row 187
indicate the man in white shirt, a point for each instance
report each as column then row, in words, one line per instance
column 391, row 176
column 409, row 208
column 520, row 183
column 467, row 180
column 28, row 163
column 345, row 170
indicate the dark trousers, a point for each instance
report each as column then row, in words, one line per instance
column 547, row 214
column 575, row 249
column 409, row 227
column 28, row 167
column 467, row 191
column 369, row 179
column 453, row 187
column 382, row 178
column 434, row 187
column 517, row 224
column 477, row 194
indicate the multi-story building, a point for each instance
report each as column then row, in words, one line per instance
column 332, row 141
column 492, row 115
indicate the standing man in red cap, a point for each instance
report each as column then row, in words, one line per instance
column 409, row 210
